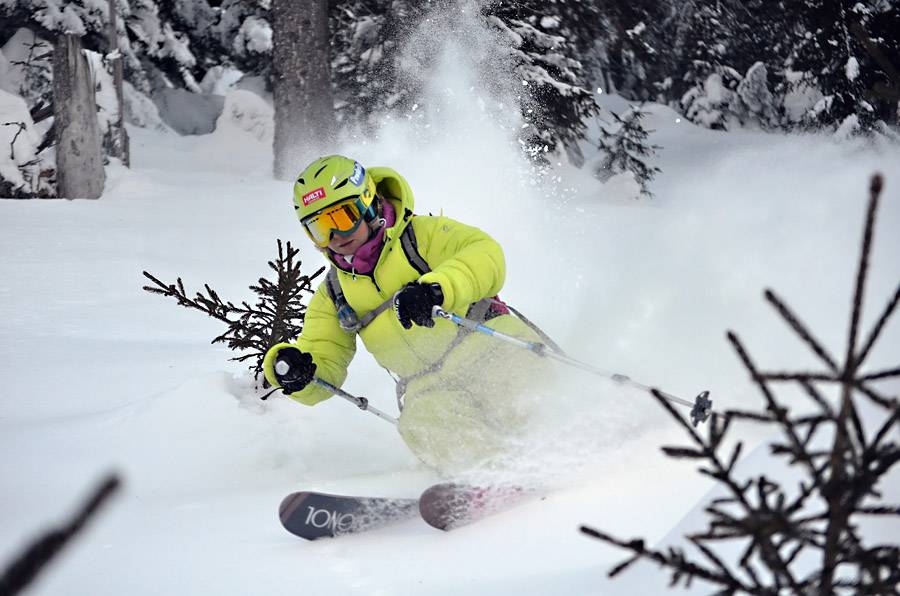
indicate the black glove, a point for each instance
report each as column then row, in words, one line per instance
column 414, row 302
column 294, row 369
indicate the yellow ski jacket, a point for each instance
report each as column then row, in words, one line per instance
column 466, row 262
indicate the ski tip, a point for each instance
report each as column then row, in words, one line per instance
column 450, row 505
column 289, row 505
column 446, row 505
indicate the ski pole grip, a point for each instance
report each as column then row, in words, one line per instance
column 282, row 367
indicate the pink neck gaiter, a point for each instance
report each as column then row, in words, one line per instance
column 366, row 256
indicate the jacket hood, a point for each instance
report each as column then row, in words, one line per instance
column 392, row 186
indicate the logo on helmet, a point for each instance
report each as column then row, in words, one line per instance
column 313, row 196
column 359, row 174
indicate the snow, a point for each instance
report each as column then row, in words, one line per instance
column 636, row 30
column 66, row 20
column 220, row 79
column 255, row 35
column 104, row 91
column 754, row 98
column 6, row 82
column 848, row 128
column 100, row 375
column 852, row 68
column 176, row 46
column 246, row 112
column 623, row 185
column 140, row 109
column 189, row 113
column 550, row 22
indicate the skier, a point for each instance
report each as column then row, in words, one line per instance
column 462, row 395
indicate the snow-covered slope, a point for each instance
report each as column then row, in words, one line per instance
column 98, row 375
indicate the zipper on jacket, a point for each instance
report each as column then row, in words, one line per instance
column 371, row 276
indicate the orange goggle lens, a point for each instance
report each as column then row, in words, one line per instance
column 342, row 219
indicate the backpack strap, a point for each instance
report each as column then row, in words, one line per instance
column 333, row 285
column 347, row 317
column 411, row 250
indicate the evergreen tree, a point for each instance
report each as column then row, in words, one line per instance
column 711, row 101
column 367, row 38
column 627, row 149
column 728, row 52
column 881, row 40
column 833, row 48
column 233, row 33
column 555, row 98
column 726, row 100
column 700, row 43
column 760, row 31
column 634, row 46
column 705, row 81
column 753, row 99
column 151, row 45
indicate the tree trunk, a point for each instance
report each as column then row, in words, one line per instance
column 117, row 144
column 301, row 77
column 79, row 161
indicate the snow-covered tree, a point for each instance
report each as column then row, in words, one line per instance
column 723, row 52
column 31, row 76
column 707, row 44
column 238, row 33
column 555, row 97
column 27, row 163
column 836, row 49
column 626, row 148
column 632, row 39
column 23, row 173
column 753, row 99
column 711, row 102
column 727, row 99
column 882, row 43
column 367, row 40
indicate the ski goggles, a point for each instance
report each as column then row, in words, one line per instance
column 342, row 219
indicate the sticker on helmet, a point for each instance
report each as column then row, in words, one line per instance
column 313, row 196
column 359, row 174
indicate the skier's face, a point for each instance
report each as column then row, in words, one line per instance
column 348, row 245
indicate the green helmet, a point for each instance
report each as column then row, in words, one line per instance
column 330, row 180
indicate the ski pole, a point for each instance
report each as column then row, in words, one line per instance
column 362, row 403
column 701, row 407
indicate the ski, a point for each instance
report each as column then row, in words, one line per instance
column 449, row 505
column 313, row 515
